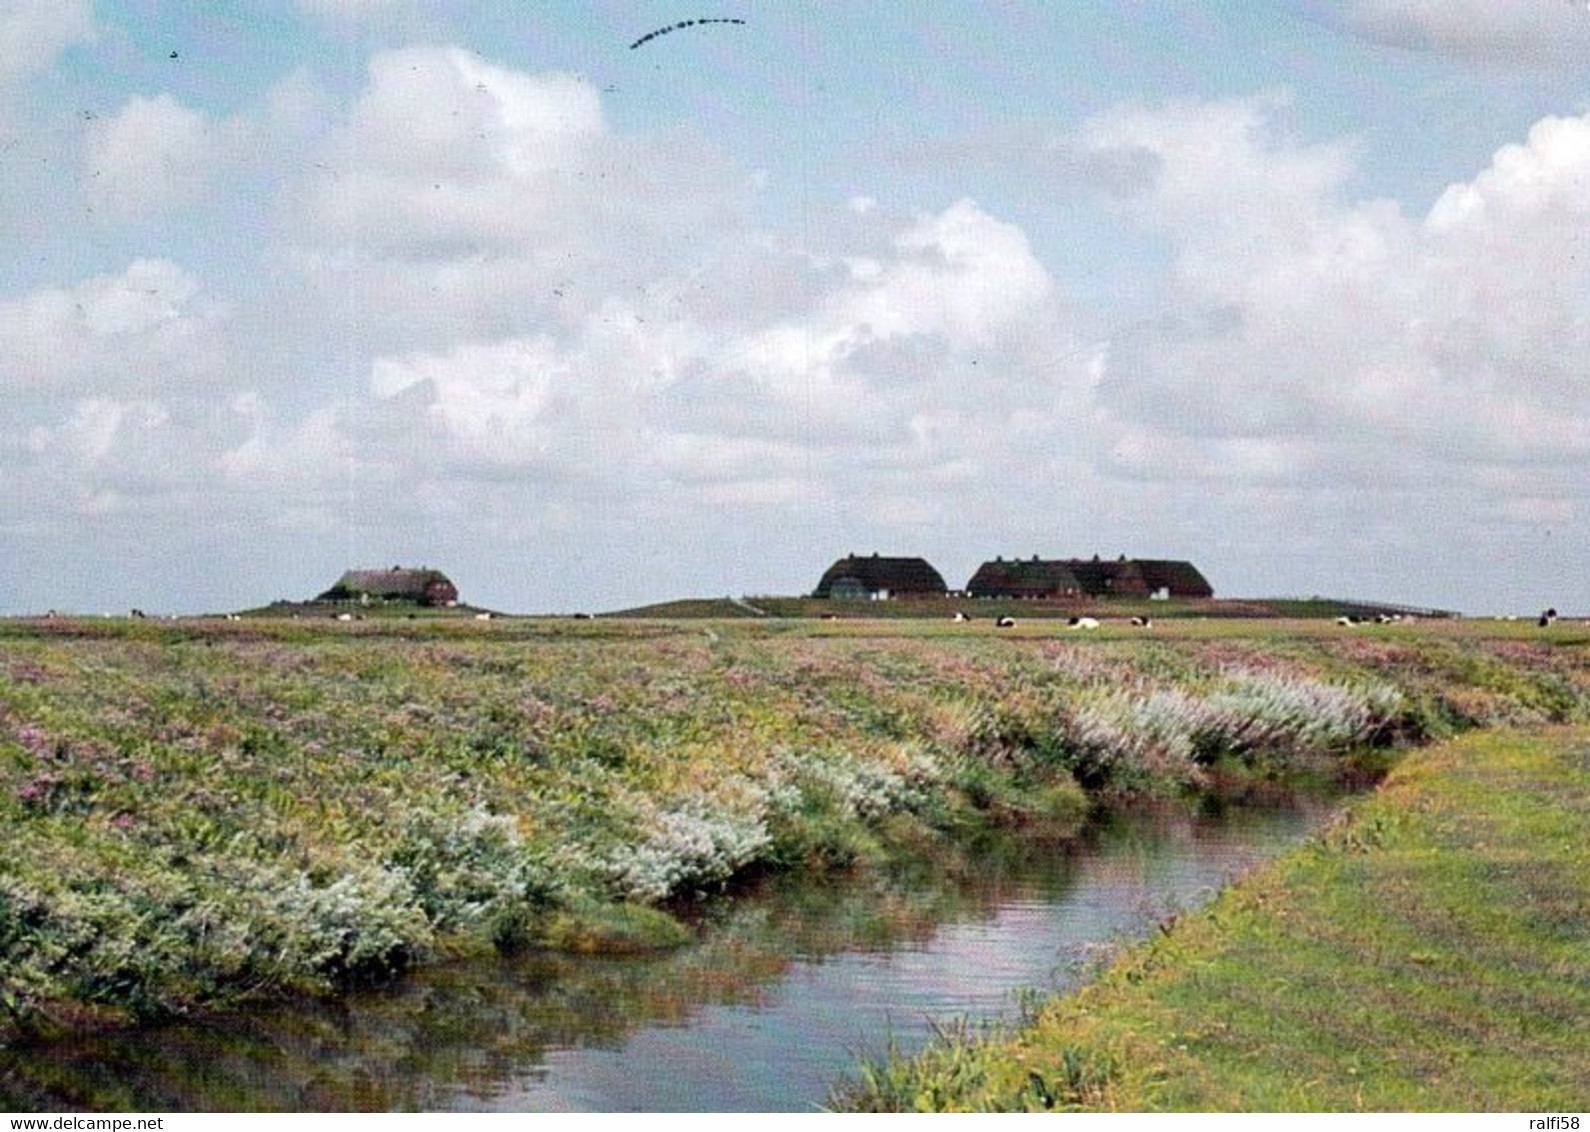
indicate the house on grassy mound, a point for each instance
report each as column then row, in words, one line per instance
column 1140, row 577
column 1121, row 578
column 1172, row 578
column 1024, row 578
column 414, row 587
column 1080, row 577
column 878, row 578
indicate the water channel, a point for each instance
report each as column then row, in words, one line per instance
column 786, row 986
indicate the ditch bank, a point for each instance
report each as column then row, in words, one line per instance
column 1425, row 953
column 201, row 817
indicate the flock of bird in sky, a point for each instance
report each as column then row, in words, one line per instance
column 682, row 24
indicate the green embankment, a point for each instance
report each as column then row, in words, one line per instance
column 198, row 813
column 943, row 607
column 1431, row 951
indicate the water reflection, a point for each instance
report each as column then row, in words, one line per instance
column 785, row 986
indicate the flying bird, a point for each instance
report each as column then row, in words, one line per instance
column 651, row 35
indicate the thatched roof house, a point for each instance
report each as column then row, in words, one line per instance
column 421, row 587
column 1175, row 579
column 1140, row 577
column 1090, row 577
column 1121, row 578
column 855, row 576
column 1032, row 578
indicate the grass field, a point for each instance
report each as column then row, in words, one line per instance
column 1427, row 953
column 197, row 813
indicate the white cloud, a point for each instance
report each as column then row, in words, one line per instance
column 90, row 434
column 1216, row 176
column 1545, row 181
column 548, row 300
column 444, row 151
column 301, row 463
column 115, row 391
column 34, row 32
column 148, row 326
column 960, row 276
column 154, row 155
column 134, row 457
column 1317, row 341
column 504, row 321
column 463, row 201
column 1321, row 365
column 1492, row 31
column 151, row 155
column 491, row 398
column 884, row 357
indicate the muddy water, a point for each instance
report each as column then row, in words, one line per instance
column 784, row 988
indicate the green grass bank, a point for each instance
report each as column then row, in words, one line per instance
column 1428, row 952
column 199, row 813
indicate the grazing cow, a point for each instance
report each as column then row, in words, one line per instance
column 344, row 617
column 1548, row 618
column 482, row 617
column 1084, row 623
column 1143, row 622
column 1004, row 622
column 960, row 619
column 139, row 615
column 1345, row 621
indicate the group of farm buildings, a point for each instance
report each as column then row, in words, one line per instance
column 880, row 578
column 873, row 577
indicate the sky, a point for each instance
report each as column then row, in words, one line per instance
column 1297, row 290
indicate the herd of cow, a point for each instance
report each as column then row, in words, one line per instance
column 1008, row 622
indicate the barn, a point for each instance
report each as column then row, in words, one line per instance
column 422, row 586
column 879, row 578
column 1024, row 578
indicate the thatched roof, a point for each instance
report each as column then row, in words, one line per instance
column 1138, row 577
column 397, row 583
column 857, row 575
column 1181, row 579
column 1032, row 578
column 1103, row 579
